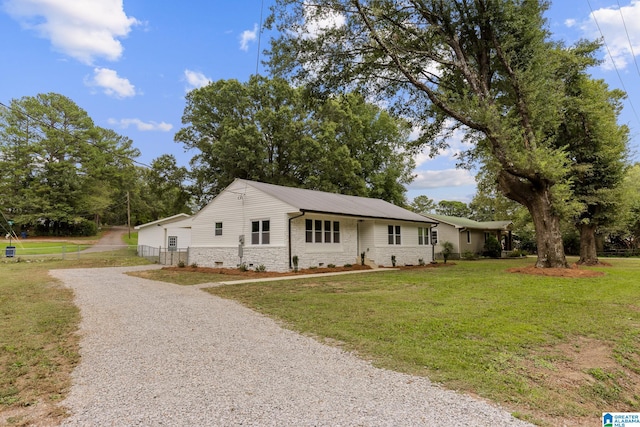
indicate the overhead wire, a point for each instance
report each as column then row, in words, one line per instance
column 613, row 61
column 624, row 24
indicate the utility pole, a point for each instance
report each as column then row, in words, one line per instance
column 129, row 214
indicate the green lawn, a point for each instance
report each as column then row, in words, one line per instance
column 516, row 339
column 38, row 341
column 25, row 247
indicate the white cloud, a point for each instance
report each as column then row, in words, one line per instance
column 612, row 22
column 82, row 29
column 141, row 126
column 248, row 36
column 318, row 20
column 111, row 83
column 429, row 179
column 456, row 146
column 195, row 79
column 570, row 22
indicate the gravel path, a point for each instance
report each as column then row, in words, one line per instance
column 158, row 354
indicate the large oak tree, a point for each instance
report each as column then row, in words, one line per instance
column 488, row 65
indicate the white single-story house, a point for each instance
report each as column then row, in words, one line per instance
column 467, row 235
column 258, row 224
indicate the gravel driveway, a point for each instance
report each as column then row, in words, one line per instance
column 156, row 354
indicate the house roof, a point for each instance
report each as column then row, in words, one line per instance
column 459, row 222
column 162, row 221
column 331, row 203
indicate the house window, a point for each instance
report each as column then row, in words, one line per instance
column 172, row 243
column 218, row 231
column 423, row 236
column 434, row 237
column 318, row 229
column 394, row 235
column 260, row 232
column 308, row 231
column 468, row 236
column 486, row 236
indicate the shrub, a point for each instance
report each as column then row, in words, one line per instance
column 243, row 267
column 348, row 265
column 393, row 260
column 261, row 268
column 294, row 261
column 331, row 266
column 492, row 247
column 420, row 261
column 447, row 250
column 181, row 264
column 362, row 258
column 194, row 265
column 469, row 255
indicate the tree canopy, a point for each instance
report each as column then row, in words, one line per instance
column 270, row 131
column 488, row 67
column 58, row 171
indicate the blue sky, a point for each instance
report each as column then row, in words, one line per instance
column 130, row 63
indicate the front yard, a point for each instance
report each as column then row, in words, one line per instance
column 552, row 349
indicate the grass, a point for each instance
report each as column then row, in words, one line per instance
column 516, row 339
column 46, row 248
column 182, row 278
column 38, row 341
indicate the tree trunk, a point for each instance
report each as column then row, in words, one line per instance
column 588, row 248
column 536, row 197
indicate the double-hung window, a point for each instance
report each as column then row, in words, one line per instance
column 319, row 231
column 218, row 229
column 394, row 235
column 260, row 232
column 434, row 236
column 423, row 236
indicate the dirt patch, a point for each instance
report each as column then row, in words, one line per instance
column 573, row 271
column 585, row 379
column 252, row 274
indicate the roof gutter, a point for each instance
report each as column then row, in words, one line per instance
column 426, row 220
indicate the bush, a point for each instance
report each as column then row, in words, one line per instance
column 181, row 264
column 261, row 268
column 194, row 265
column 447, row 250
column 243, row 267
column 331, row 266
column 348, row 265
column 492, row 247
column 468, row 255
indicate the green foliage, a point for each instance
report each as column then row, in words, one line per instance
column 487, row 69
column 492, row 247
column 422, row 204
column 270, row 131
column 57, row 169
column 243, row 267
column 447, row 250
column 453, row 208
column 294, row 261
column 261, row 268
column 331, row 265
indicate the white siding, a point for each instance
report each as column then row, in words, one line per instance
column 407, row 253
column 236, row 207
column 315, row 254
column 152, row 235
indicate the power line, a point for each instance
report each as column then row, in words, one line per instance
column 259, row 35
column 613, row 61
column 74, row 137
column 624, row 24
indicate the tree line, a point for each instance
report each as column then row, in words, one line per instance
column 544, row 133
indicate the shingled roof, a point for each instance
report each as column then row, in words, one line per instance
column 331, row 203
